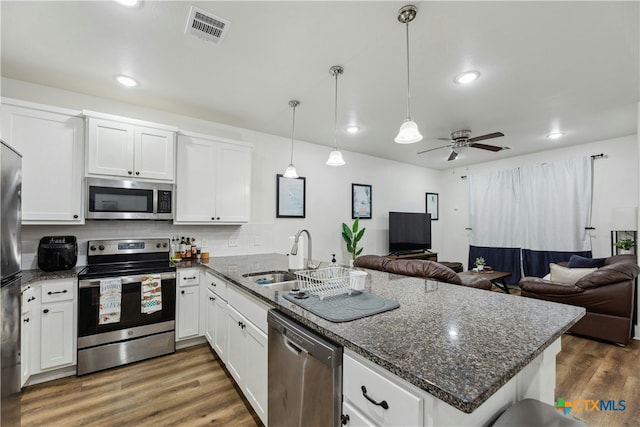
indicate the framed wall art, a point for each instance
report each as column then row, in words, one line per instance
column 290, row 197
column 432, row 205
column 361, row 201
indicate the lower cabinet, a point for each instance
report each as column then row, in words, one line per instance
column 26, row 346
column 52, row 326
column 188, row 303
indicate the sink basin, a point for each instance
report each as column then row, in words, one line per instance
column 271, row 278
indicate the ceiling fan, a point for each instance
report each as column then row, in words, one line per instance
column 462, row 138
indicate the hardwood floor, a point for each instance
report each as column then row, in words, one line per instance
column 191, row 388
column 591, row 370
column 188, row 388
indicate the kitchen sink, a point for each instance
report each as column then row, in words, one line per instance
column 271, row 278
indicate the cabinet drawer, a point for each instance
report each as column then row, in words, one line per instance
column 217, row 286
column 57, row 290
column 188, row 277
column 404, row 407
column 249, row 307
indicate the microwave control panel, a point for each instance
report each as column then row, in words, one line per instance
column 164, row 201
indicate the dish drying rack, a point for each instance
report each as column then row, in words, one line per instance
column 325, row 282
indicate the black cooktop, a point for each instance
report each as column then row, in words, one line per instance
column 125, row 269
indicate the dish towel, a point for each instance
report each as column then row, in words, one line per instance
column 151, row 294
column 110, row 301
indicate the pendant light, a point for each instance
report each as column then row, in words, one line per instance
column 291, row 170
column 409, row 132
column 335, row 157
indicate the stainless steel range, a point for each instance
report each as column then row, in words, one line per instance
column 126, row 303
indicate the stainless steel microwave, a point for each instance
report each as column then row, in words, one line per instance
column 123, row 199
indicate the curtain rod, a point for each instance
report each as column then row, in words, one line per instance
column 597, row 156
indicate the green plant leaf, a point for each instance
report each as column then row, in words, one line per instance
column 355, row 225
column 359, row 235
column 347, row 231
column 359, row 251
column 346, row 239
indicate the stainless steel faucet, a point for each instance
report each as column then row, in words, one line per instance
column 294, row 249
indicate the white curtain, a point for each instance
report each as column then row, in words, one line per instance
column 556, row 206
column 494, row 199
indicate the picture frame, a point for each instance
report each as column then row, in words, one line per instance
column 361, row 201
column 290, row 197
column 433, row 205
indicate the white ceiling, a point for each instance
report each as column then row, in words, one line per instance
column 561, row 65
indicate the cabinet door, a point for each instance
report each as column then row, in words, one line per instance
column 236, row 345
column 51, row 145
column 110, row 148
column 188, row 311
column 210, row 319
column 255, row 386
column 56, row 335
column 220, row 329
column 154, row 153
column 233, row 189
column 195, row 180
column 25, row 346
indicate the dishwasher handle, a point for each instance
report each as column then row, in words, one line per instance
column 311, row 343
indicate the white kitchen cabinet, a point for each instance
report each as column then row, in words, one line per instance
column 126, row 148
column 54, row 328
column 213, row 181
column 247, row 348
column 188, row 303
column 26, row 346
column 51, row 141
column 216, row 315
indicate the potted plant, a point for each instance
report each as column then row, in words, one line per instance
column 351, row 236
column 625, row 246
column 480, row 263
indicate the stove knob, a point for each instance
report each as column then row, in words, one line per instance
column 158, row 245
column 164, row 245
column 101, row 247
column 93, row 248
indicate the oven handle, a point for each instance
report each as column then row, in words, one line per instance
column 125, row 279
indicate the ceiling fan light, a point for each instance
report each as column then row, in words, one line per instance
column 466, row 77
column 290, row 172
column 126, row 81
column 454, row 155
column 335, row 158
column 408, row 133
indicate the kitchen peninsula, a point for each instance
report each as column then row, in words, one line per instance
column 475, row 350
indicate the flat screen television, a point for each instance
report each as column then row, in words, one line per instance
column 409, row 232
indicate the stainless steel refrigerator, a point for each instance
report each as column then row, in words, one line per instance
column 10, row 259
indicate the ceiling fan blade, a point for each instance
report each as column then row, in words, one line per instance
column 432, row 149
column 487, row 147
column 487, row 136
column 452, row 156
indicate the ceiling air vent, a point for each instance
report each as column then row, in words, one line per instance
column 206, row 26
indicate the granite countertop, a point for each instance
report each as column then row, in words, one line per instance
column 29, row 276
column 457, row 343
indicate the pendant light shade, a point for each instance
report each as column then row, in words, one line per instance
column 291, row 169
column 335, row 157
column 409, row 132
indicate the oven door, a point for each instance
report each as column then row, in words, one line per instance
column 131, row 313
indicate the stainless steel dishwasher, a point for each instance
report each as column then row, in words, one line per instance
column 305, row 375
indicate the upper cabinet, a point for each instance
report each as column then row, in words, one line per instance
column 51, row 141
column 213, row 182
column 120, row 147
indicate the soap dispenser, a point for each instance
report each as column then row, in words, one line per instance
column 333, row 261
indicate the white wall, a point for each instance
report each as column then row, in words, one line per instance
column 615, row 184
column 395, row 186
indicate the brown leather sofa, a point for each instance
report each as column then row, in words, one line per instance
column 606, row 293
column 420, row 268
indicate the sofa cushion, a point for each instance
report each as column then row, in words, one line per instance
column 577, row 261
column 567, row 275
column 372, row 262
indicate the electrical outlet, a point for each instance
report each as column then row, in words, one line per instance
column 233, row 242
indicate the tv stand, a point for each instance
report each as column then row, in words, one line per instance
column 428, row 255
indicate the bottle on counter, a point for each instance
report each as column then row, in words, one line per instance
column 183, row 248
column 194, row 248
column 187, row 252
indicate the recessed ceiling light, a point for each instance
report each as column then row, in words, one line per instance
column 128, row 3
column 466, row 77
column 353, row 128
column 555, row 135
column 126, row 81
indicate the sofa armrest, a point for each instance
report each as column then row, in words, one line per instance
column 475, row 282
column 537, row 285
column 372, row 262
